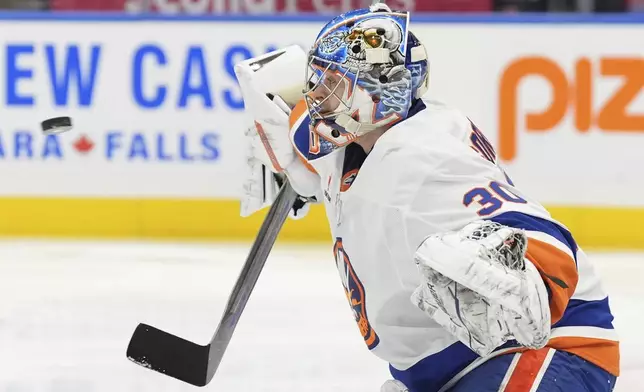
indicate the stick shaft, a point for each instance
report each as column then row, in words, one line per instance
column 249, row 274
column 188, row 361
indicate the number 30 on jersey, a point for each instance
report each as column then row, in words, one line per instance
column 491, row 198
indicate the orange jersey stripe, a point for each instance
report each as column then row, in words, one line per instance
column 306, row 163
column 559, row 272
column 603, row 353
column 525, row 373
column 298, row 113
column 299, row 110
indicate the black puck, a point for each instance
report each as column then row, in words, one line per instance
column 57, row 125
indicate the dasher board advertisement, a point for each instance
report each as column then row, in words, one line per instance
column 158, row 113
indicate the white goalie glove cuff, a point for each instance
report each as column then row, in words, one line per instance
column 477, row 284
column 261, row 188
column 267, row 148
column 262, row 180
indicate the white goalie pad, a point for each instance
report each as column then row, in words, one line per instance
column 478, row 285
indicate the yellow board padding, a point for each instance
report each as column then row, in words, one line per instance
column 209, row 219
column 603, row 227
column 190, row 219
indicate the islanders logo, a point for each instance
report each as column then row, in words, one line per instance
column 347, row 180
column 355, row 294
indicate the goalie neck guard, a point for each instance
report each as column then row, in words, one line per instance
column 364, row 72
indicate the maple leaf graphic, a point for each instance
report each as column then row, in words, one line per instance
column 83, row 145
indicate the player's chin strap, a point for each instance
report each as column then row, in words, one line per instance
column 352, row 126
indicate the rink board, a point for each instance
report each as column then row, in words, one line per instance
column 158, row 150
column 593, row 227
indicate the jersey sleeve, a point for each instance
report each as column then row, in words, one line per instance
column 429, row 182
column 449, row 182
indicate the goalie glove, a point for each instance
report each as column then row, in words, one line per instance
column 477, row 284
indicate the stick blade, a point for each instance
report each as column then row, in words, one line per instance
column 169, row 354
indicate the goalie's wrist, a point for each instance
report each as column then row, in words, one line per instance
column 305, row 182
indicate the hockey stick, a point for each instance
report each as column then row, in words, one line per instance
column 190, row 362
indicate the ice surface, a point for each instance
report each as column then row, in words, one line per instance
column 68, row 309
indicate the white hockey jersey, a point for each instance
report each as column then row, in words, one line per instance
column 436, row 172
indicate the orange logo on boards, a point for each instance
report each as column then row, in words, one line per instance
column 571, row 94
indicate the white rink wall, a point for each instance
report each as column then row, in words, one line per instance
column 159, row 118
column 160, row 104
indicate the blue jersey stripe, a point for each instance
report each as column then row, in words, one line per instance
column 431, row 373
column 581, row 313
column 523, row 221
column 301, row 138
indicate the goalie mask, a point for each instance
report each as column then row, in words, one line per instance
column 364, row 71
